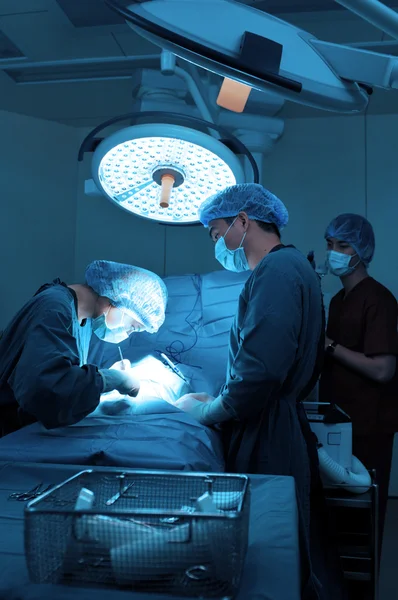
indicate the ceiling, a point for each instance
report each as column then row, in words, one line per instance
column 92, row 13
column 280, row 7
column 66, row 30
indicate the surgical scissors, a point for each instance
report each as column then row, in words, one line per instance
column 30, row 494
column 119, row 494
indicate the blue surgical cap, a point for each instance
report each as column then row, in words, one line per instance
column 140, row 293
column 252, row 198
column 355, row 231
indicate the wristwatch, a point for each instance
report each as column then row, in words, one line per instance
column 331, row 348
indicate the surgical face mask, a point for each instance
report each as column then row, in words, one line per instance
column 103, row 332
column 339, row 263
column 232, row 260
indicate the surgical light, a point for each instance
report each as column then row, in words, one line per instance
column 252, row 49
column 165, row 176
column 163, row 171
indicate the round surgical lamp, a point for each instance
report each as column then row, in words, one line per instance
column 164, row 171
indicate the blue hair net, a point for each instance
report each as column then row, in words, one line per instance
column 140, row 293
column 252, row 198
column 355, row 231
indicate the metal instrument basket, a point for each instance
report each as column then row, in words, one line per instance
column 183, row 534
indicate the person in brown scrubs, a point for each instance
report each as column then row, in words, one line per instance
column 361, row 347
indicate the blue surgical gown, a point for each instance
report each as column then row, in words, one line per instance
column 42, row 370
column 272, row 355
column 273, row 352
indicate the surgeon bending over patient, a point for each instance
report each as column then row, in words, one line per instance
column 275, row 342
column 44, row 375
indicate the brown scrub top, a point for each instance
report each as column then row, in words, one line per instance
column 364, row 321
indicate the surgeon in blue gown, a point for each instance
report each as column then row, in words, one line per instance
column 44, row 375
column 274, row 357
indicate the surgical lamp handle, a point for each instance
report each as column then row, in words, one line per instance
column 240, row 146
column 168, row 182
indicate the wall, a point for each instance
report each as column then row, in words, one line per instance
column 38, row 180
column 382, row 156
column 326, row 166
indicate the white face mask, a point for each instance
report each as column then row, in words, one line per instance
column 105, row 333
column 232, row 260
column 339, row 263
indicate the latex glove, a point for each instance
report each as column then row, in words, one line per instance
column 122, row 381
column 189, row 402
column 204, row 408
column 122, row 365
column 192, row 407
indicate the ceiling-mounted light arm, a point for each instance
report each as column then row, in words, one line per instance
column 169, row 67
column 381, row 16
column 225, row 61
column 237, row 145
column 195, row 93
column 193, row 71
column 368, row 69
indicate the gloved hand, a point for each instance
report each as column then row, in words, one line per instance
column 122, row 365
column 204, row 408
column 122, row 381
column 190, row 402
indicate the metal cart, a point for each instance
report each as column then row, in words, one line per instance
column 355, row 523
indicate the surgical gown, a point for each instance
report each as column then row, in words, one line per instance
column 274, row 344
column 42, row 372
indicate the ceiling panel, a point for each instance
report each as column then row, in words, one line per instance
column 299, row 6
column 134, row 45
column 12, row 7
column 90, row 13
column 50, row 36
column 77, row 102
column 9, row 50
column 94, row 13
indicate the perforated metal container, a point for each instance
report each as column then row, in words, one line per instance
column 145, row 531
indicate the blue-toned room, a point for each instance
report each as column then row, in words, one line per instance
column 199, row 320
